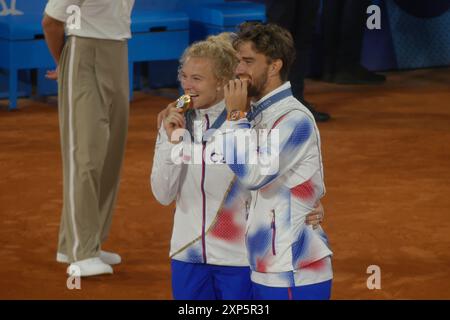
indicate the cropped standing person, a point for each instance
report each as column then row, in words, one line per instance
column 300, row 18
column 92, row 73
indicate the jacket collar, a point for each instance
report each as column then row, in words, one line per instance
column 212, row 112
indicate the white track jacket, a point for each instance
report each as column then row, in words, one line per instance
column 210, row 215
column 283, row 251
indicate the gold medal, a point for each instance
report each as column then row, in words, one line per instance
column 184, row 102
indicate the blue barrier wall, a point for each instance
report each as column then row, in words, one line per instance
column 414, row 34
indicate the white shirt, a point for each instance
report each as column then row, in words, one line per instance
column 100, row 19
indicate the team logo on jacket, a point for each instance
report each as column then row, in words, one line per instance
column 217, row 157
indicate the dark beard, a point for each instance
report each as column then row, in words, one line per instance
column 252, row 91
column 256, row 89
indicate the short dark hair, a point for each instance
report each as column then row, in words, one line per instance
column 273, row 41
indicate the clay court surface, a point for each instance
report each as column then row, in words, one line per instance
column 386, row 155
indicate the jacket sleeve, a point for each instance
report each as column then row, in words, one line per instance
column 165, row 176
column 260, row 158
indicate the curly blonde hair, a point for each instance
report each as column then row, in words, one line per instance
column 220, row 50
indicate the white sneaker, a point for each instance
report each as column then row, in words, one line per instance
column 107, row 257
column 89, row 267
column 110, row 257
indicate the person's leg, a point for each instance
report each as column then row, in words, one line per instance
column 331, row 20
column 232, row 283
column 318, row 291
column 83, row 138
column 302, row 30
column 351, row 28
column 62, row 249
column 299, row 17
column 112, row 66
column 64, row 141
column 192, row 281
column 261, row 292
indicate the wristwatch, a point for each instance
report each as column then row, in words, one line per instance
column 235, row 115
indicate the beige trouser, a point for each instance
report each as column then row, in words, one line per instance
column 93, row 117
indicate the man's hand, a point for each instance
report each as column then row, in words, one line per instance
column 52, row 74
column 173, row 119
column 236, row 95
column 315, row 217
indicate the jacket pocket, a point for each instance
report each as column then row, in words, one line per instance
column 273, row 226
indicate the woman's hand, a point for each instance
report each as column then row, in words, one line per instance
column 173, row 119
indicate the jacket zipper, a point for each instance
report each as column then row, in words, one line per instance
column 274, row 232
column 203, row 194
